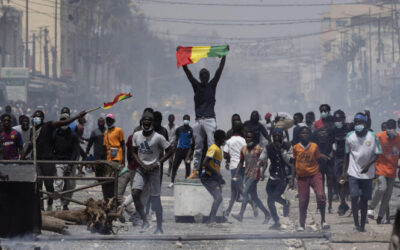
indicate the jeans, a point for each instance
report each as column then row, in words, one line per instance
column 203, row 129
column 64, row 185
column 214, row 188
column 46, row 170
column 275, row 189
column 180, row 155
column 236, row 188
column 250, row 188
column 382, row 193
column 303, row 187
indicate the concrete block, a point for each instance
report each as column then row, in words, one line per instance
column 191, row 198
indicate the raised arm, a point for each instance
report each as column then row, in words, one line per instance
column 189, row 75
column 218, row 73
column 58, row 124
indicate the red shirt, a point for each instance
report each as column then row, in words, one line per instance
column 318, row 124
column 10, row 144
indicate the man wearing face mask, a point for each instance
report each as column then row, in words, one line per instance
column 204, row 102
column 66, row 148
column 44, row 132
column 114, row 141
column 340, row 131
column 184, row 141
column 253, row 125
column 325, row 110
column 362, row 150
column 386, row 167
column 147, row 146
column 279, row 171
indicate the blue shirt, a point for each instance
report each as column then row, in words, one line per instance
column 184, row 135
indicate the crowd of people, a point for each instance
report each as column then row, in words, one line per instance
column 336, row 158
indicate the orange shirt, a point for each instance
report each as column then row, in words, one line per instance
column 386, row 164
column 113, row 138
column 306, row 159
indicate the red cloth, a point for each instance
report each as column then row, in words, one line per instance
column 303, row 187
column 318, row 124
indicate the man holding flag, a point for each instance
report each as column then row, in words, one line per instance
column 204, row 100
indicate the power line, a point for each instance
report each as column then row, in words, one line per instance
column 247, row 5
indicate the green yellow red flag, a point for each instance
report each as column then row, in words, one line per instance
column 190, row 55
column 118, row 98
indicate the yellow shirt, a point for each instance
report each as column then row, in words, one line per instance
column 214, row 153
column 114, row 137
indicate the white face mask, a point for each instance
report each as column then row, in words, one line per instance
column 148, row 129
column 359, row 128
column 324, row 114
column 37, row 121
column 186, row 122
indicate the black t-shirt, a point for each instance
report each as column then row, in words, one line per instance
column 324, row 138
column 65, row 144
column 256, row 128
column 204, row 99
column 340, row 138
column 45, row 142
column 278, row 168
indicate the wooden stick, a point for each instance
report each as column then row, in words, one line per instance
column 91, row 110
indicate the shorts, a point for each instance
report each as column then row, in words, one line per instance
column 338, row 168
column 360, row 187
column 149, row 181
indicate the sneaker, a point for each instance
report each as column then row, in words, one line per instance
column 171, row 185
column 379, row 220
column 275, row 226
column 370, row 213
column 145, row 225
column 267, row 218
column 356, row 229
column 193, row 175
column 301, row 229
column 362, row 230
column 226, row 213
column 238, row 217
column 325, row 226
column 286, row 209
column 342, row 210
column 153, row 217
column 330, row 210
column 159, row 231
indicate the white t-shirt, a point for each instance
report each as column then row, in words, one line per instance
column 25, row 135
column 150, row 147
column 361, row 150
column 233, row 147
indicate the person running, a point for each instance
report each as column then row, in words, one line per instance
column 232, row 150
column 325, row 110
column 298, row 122
column 306, row 155
column 115, row 143
column 362, row 150
column 171, row 127
column 43, row 135
column 11, row 142
column 279, row 171
column 184, row 141
column 65, row 149
column 147, row 146
column 340, row 131
column 253, row 125
column 210, row 175
column 204, row 102
column 310, row 120
column 324, row 138
column 249, row 155
column 386, row 167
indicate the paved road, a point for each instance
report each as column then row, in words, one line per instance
column 341, row 229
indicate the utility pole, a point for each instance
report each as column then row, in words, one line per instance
column 54, row 67
column 55, row 42
column 40, row 48
column 392, row 31
column 26, row 36
column 15, row 35
column 46, row 52
column 33, row 54
column 4, row 42
column 370, row 54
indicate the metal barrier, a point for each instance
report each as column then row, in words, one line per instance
column 61, row 195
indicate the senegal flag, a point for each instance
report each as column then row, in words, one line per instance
column 190, row 55
column 118, row 98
